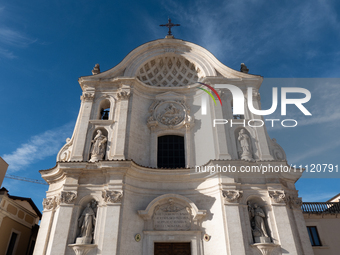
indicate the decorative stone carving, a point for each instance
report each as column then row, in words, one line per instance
column 277, row 196
column 87, row 96
column 123, row 95
column 96, row 69
column 82, row 249
column 169, row 114
column 293, row 201
column 112, row 196
column 257, row 221
column 232, row 195
column 265, row 248
column 277, row 150
column 256, row 94
column 49, row 203
column 98, row 147
column 67, row 197
column 87, row 223
column 64, row 154
column 172, row 216
column 169, row 71
column 244, row 68
column 245, row 144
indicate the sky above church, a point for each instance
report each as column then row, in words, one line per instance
column 45, row 46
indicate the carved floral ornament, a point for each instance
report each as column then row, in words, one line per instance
column 169, row 114
column 112, row 196
column 293, row 201
column 232, row 195
column 277, row 196
column 66, row 197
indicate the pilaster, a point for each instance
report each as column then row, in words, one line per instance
column 119, row 138
column 233, row 221
column 82, row 126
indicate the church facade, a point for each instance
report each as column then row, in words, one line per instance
column 147, row 172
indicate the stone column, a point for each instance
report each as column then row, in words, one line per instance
column 61, row 224
column 287, row 238
column 119, row 140
column 43, row 238
column 81, row 127
column 233, row 221
column 111, row 224
column 294, row 204
column 43, row 234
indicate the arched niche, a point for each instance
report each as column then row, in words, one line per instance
column 80, row 206
column 105, row 103
column 259, row 211
column 173, row 206
column 104, row 109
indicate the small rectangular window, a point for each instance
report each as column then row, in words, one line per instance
column 11, row 245
column 171, row 152
column 313, row 236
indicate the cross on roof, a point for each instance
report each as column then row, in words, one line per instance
column 169, row 25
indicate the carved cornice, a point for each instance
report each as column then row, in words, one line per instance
column 112, row 196
column 87, row 96
column 232, row 195
column 277, row 196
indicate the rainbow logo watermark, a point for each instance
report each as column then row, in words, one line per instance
column 238, row 99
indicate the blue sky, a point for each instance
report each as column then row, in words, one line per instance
column 45, row 46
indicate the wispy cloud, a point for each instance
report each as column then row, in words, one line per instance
column 11, row 38
column 14, row 38
column 321, row 148
column 38, row 147
column 324, row 104
column 249, row 29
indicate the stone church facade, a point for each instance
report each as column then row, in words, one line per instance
column 126, row 182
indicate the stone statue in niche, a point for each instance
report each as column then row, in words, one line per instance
column 87, row 223
column 98, row 147
column 257, row 221
column 245, row 144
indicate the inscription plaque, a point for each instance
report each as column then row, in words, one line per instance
column 172, row 217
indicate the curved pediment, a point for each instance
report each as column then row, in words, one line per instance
column 168, row 63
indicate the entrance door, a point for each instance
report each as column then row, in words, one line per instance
column 172, row 249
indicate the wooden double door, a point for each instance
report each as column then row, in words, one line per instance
column 172, row 249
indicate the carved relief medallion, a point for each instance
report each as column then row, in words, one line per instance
column 169, row 114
